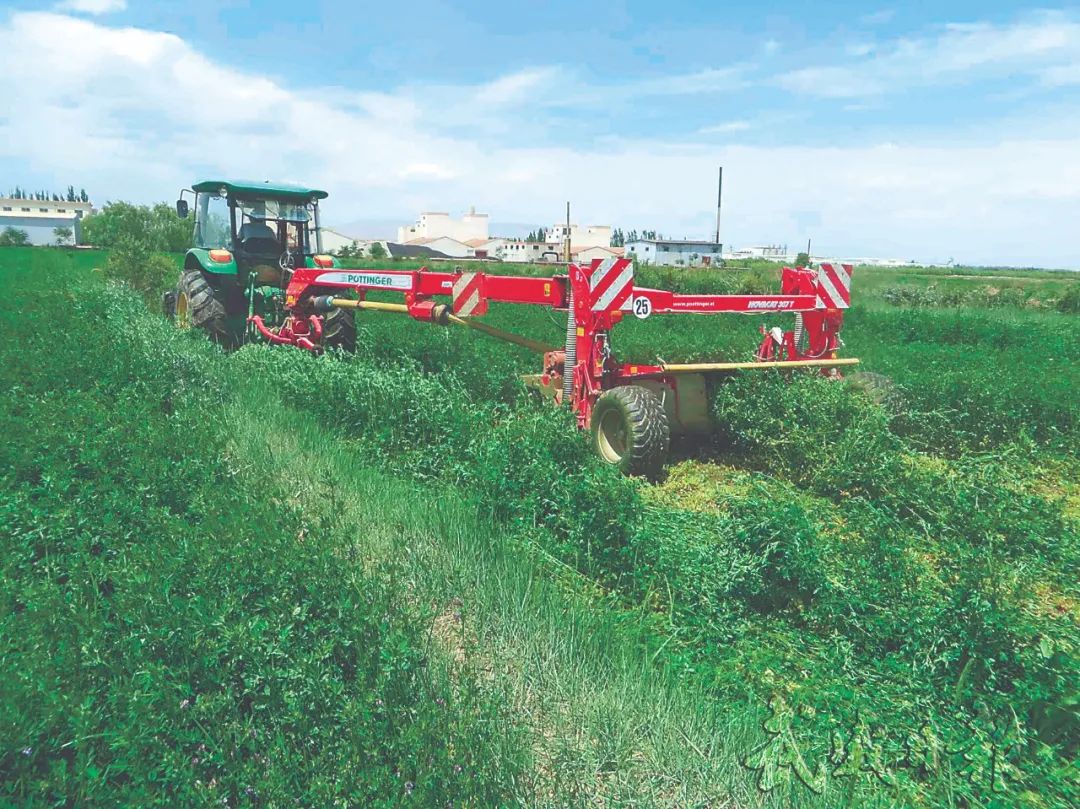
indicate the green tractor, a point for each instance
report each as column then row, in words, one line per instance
column 249, row 238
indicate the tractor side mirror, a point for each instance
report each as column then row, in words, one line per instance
column 182, row 208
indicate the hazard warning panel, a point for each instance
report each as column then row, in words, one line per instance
column 468, row 295
column 611, row 282
column 834, row 286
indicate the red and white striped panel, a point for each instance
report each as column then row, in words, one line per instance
column 612, row 283
column 834, row 286
column 467, row 296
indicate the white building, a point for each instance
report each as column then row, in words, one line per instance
column 487, row 248
column 675, row 252
column 530, row 252
column 591, row 236
column 333, row 241
column 445, row 245
column 436, row 225
column 770, row 252
column 587, row 254
column 39, row 218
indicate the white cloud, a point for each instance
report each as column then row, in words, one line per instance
column 725, row 128
column 135, row 114
column 1061, row 75
column 92, row 6
column 954, row 54
column 878, row 17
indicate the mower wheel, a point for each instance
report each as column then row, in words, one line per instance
column 199, row 304
column 630, row 430
column 339, row 329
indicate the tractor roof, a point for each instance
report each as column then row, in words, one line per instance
column 265, row 189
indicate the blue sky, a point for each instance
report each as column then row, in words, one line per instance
column 927, row 132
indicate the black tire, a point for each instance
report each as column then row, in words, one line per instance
column 339, row 329
column 630, row 430
column 198, row 304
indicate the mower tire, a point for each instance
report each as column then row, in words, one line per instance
column 630, row 430
column 339, row 329
column 198, row 304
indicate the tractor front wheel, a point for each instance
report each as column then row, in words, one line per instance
column 197, row 304
column 630, row 430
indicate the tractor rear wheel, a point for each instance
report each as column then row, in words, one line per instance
column 197, row 304
column 630, row 430
column 339, row 329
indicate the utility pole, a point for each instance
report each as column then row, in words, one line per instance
column 566, row 243
column 719, row 196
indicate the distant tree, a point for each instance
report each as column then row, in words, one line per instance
column 618, row 238
column 83, row 197
column 63, row 236
column 12, row 237
column 71, row 193
column 157, row 227
column 132, row 261
column 802, row 260
column 376, row 250
column 354, row 250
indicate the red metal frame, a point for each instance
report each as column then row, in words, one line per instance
column 599, row 295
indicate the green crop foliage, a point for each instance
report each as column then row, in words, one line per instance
column 168, row 635
column 897, row 568
column 893, row 577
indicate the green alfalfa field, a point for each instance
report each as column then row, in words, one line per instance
column 395, row 578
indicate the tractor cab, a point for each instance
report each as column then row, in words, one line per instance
column 249, row 237
column 257, row 223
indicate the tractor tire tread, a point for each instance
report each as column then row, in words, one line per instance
column 208, row 310
column 339, row 330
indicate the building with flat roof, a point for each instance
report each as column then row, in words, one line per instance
column 437, row 225
column 590, row 236
column 39, row 218
column 675, row 252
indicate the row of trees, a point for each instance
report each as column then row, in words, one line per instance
column 45, row 196
column 357, row 250
column 619, row 238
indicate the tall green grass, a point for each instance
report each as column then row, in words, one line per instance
column 878, row 570
column 168, row 634
column 885, row 581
